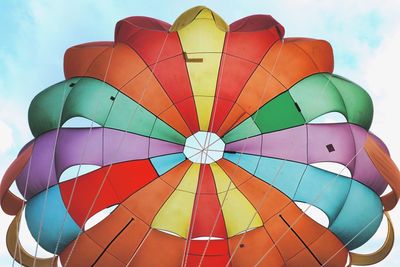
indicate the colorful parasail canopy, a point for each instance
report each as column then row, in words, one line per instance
column 205, row 138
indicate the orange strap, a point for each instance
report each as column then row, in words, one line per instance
column 387, row 168
column 10, row 203
column 380, row 254
column 21, row 255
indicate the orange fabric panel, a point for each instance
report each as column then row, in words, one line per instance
column 121, row 67
column 296, row 58
column 328, row 247
column 108, row 260
column 10, row 203
column 124, row 247
column 307, row 228
column 146, row 202
column 320, row 52
column 235, row 173
column 84, row 253
column 106, row 230
column 285, row 239
column 285, row 64
column 77, row 59
column 387, row 168
column 174, row 176
column 159, row 249
column 235, row 116
column 304, row 258
column 301, row 244
column 253, row 246
column 116, row 65
column 147, row 91
column 259, row 89
column 174, row 118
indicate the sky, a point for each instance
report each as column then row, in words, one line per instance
column 365, row 35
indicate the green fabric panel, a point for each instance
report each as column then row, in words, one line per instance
column 161, row 130
column 280, row 113
column 91, row 99
column 314, row 95
column 99, row 102
column 127, row 115
column 245, row 129
column 322, row 93
column 45, row 108
column 359, row 104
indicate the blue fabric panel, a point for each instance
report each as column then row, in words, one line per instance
column 165, row 163
column 324, row 190
column 354, row 210
column 359, row 218
column 52, row 215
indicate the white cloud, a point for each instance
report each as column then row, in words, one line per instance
column 6, row 137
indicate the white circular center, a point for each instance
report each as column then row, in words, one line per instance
column 204, row 147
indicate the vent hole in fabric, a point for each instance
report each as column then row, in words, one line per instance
column 28, row 242
column 314, row 213
column 98, row 217
column 80, row 122
column 376, row 241
column 333, row 167
column 331, row 117
column 77, row 170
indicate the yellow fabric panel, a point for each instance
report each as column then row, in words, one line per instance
column 239, row 213
column 202, row 35
column 204, row 106
column 202, row 39
column 176, row 213
column 221, row 179
column 190, row 180
column 188, row 16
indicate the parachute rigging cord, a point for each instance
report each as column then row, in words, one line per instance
column 208, row 136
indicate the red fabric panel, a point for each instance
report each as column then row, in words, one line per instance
column 215, row 247
column 173, row 77
column 207, row 208
column 217, row 253
column 151, row 45
column 251, row 45
column 120, row 181
column 188, row 111
column 243, row 51
column 256, row 23
column 170, row 69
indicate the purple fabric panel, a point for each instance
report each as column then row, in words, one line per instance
column 41, row 171
column 287, row 144
column 78, row 146
column 339, row 136
column 122, row 146
column 290, row 144
column 365, row 171
column 84, row 146
column 346, row 139
column 159, row 147
column 251, row 145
